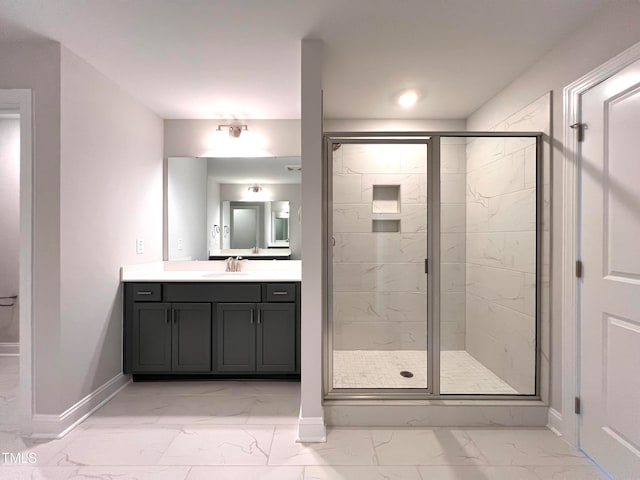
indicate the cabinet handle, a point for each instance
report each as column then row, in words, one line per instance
column 166, row 315
column 280, row 293
column 252, row 316
column 259, row 317
column 175, row 316
column 144, row 292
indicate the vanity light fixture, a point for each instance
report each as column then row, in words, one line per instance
column 255, row 188
column 234, row 130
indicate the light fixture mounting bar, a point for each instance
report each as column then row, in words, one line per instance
column 234, row 129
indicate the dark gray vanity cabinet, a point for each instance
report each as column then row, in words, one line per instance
column 151, row 337
column 171, row 337
column 275, row 337
column 236, row 337
column 191, row 337
column 212, row 329
column 256, row 337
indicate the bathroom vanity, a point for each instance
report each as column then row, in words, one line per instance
column 194, row 320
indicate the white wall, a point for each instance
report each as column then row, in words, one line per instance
column 198, row 138
column 270, row 193
column 214, row 213
column 311, row 426
column 187, row 208
column 616, row 28
column 9, row 225
column 110, row 194
column 36, row 65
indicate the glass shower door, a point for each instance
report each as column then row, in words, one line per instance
column 378, row 216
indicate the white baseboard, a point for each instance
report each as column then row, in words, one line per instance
column 555, row 421
column 9, row 349
column 57, row 426
column 311, row 430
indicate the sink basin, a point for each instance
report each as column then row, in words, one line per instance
column 224, row 274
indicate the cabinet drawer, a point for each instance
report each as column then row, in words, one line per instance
column 281, row 292
column 212, row 292
column 147, row 292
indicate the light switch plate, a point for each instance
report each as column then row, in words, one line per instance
column 139, row 246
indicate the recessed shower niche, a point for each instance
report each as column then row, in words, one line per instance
column 385, row 226
column 386, row 199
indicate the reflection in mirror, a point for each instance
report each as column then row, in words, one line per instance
column 221, row 207
column 251, row 224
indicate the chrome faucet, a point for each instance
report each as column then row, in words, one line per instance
column 233, row 264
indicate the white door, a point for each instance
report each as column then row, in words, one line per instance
column 244, row 227
column 610, row 288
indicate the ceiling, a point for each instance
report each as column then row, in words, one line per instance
column 241, row 59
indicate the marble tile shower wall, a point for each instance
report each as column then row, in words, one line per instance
column 453, row 166
column 379, row 285
column 500, row 257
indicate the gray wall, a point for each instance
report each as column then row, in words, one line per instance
column 197, row 138
column 110, row 194
column 616, row 28
column 289, row 192
column 187, row 208
column 9, row 225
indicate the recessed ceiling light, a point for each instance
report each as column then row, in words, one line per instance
column 408, row 99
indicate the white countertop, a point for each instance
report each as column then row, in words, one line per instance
column 249, row 253
column 213, row 271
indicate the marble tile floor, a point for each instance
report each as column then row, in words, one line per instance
column 247, row 431
column 460, row 372
column 8, row 392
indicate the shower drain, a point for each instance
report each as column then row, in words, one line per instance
column 406, row 374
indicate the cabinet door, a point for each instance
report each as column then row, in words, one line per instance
column 191, row 338
column 151, row 337
column 235, row 337
column 276, row 349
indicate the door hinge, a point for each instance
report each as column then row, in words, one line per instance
column 576, row 406
column 578, row 269
column 579, row 128
column 426, row 265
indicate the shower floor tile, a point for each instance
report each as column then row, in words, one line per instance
column 460, row 372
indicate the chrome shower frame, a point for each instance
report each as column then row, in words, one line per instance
column 433, row 141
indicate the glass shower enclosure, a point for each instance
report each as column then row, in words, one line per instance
column 432, row 265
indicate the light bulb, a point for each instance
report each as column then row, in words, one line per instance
column 408, row 99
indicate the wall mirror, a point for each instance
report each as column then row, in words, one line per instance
column 221, row 207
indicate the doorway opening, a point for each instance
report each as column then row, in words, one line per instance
column 9, row 266
column 16, row 217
